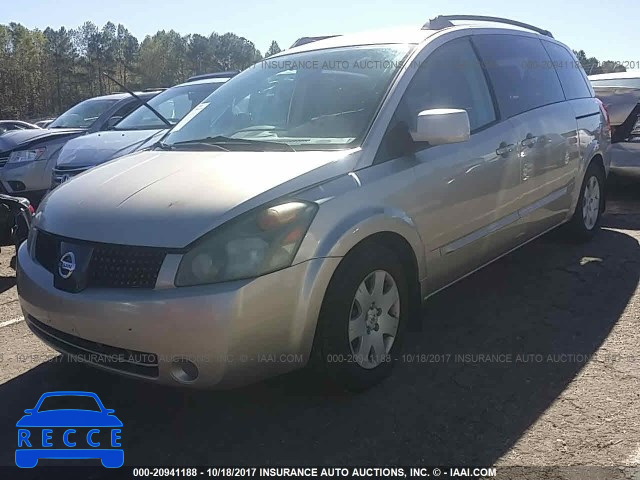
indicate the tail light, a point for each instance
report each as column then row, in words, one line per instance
column 31, row 210
column 605, row 112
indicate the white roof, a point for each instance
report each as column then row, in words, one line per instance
column 614, row 76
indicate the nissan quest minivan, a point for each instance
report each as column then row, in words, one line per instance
column 301, row 213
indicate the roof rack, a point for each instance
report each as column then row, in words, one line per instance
column 444, row 21
column 204, row 76
column 305, row 40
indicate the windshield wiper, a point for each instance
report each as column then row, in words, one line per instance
column 191, row 143
column 155, row 112
column 220, row 140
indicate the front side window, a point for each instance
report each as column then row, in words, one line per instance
column 173, row 104
column 521, row 72
column 83, row 115
column 451, row 77
column 317, row 100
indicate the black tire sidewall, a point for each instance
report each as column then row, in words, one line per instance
column 332, row 337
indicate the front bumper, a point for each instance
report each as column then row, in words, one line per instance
column 233, row 333
column 31, row 175
column 625, row 158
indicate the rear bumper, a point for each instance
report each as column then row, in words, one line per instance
column 625, row 159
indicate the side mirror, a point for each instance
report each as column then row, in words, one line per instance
column 29, row 411
column 440, row 126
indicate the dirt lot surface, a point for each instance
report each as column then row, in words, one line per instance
column 533, row 361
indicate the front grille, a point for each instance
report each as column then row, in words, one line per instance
column 127, row 361
column 4, row 158
column 111, row 266
column 47, row 250
column 118, row 266
column 61, row 174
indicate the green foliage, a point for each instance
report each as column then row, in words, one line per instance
column 273, row 49
column 43, row 73
column 593, row 66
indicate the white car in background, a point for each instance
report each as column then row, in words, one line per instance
column 620, row 94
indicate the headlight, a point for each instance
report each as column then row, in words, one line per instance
column 20, row 156
column 258, row 242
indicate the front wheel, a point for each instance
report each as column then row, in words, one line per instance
column 588, row 213
column 363, row 317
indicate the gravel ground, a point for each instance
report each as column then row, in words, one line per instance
column 533, row 361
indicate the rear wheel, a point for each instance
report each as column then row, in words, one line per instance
column 363, row 317
column 587, row 216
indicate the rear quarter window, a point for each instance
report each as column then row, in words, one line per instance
column 569, row 71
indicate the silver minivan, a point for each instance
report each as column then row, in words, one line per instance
column 301, row 213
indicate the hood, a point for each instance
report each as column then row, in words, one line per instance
column 60, row 418
column 170, row 199
column 96, row 148
column 25, row 138
column 619, row 102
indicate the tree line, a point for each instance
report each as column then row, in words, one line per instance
column 44, row 72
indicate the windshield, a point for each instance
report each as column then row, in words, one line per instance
column 318, row 100
column 173, row 104
column 617, row 82
column 83, row 114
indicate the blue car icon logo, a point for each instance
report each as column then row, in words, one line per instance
column 69, row 425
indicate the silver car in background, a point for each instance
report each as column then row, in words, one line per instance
column 141, row 129
column 620, row 94
column 27, row 156
column 304, row 210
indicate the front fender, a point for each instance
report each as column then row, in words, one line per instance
column 337, row 239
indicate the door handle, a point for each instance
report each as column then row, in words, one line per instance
column 529, row 141
column 505, row 149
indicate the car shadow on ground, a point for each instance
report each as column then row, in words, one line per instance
column 6, row 283
column 453, row 407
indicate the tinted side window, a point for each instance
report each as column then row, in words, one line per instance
column 451, row 77
column 569, row 71
column 521, row 72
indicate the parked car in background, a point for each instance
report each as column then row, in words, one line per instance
column 27, row 157
column 620, row 93
column 10, row 125
column 139, row 130
column 302, row 211
column 44, row 123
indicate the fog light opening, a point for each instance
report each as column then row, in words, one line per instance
column 184, row 371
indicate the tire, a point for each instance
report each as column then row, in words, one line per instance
column 356, row 341
column 587, row 216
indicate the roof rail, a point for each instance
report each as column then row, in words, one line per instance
column 154, row 89
column 229, row 74
column 305, row 40
column 444, row 21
